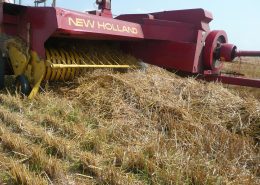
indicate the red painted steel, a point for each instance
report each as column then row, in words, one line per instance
column 176, row 40
column 228, row 52
column 173, row 39
column 85, row 25
column 233, row 80
column 212, row 44
column 248, row 54
column 57, row 22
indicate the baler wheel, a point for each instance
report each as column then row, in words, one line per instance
column 22, row 85
column 212, row 50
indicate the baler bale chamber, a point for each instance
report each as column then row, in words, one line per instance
column 50, row 44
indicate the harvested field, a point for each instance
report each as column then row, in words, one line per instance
column 135, row 128
column 248, row 67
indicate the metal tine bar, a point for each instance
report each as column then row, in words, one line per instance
column 110, row 56
column 105, row 58
column 69, row 71
column 98, row 59
column 77, row 57
column 64, row 57
column 102, row 56
column 57, row 66
column 121, row 60
column 113, row 59
column 81, row 58
column 85, row 55
column 116, row 56
column 64, row 61
column 58, row 61
column 74, row 60
column 95, row 59
column 78, row 60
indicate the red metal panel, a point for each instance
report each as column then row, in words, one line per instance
column 41, row 28
column 10, row 19
column 170, row 55
column 198, row 17
column 184, row 33
column 100, row 26
column 136, row 18
column 192, row 16
column 62, row 23
column 8, row 22
column 169, row 30
column 198, row 63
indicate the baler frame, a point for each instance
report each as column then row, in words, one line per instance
column 176, row 40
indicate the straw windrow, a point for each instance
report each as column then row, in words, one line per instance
column 134, row 128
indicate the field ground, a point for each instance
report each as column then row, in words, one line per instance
column 250, row 67
column 136, row 128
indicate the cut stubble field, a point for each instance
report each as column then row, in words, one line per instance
column 139, row 127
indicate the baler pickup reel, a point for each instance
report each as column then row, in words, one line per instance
column 63, row 62
column 68, row 45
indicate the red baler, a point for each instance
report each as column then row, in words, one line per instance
column 50, row 43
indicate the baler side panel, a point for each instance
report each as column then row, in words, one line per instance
column 9, row 19
column 82, row 25
column 163, row 53
column 192, row 16
column 32, row 24
column 56, row 22
column 41, row 28
column 156, row 29
column 177, row 38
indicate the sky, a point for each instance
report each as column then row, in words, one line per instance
column 239, row 18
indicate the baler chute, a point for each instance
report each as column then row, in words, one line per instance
column 49, row 43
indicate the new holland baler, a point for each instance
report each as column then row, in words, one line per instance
column 50, row 44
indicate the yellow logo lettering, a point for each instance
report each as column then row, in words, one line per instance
column 101, row 25
column 87, row 23
column 81, row 23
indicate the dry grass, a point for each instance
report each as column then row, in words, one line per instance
column 135, row 128
column 249, row 67
column 16, row 173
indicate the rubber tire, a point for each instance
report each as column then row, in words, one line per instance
column 2, row 72
column 23, row 82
